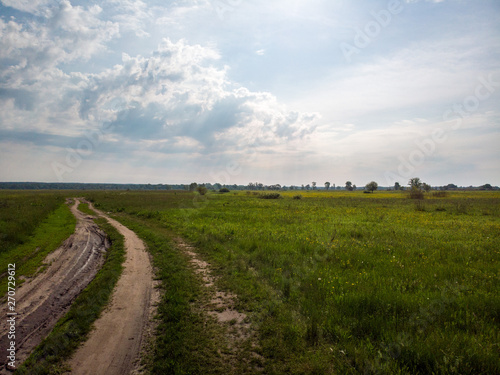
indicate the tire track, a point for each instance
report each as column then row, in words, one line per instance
column 114, row 347
column 41, row 301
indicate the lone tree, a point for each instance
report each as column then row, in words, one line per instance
column 415, row 183
column 397, row 186
column 371, row 186
column 314, row 185
column 426, row 187
column 327, row 185
column 416, row 186
column 348, row 185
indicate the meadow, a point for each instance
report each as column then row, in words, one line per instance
column 345, row 282
column 332, row 283
column 32, row 224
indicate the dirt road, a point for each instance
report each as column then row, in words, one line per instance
column 42, row 300
column 114, row 346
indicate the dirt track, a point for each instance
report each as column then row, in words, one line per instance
column 114, row 346
column 42, row 300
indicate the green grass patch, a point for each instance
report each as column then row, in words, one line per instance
column 45, row 238
column 20, row 214
column 84, row 207
column 73, row 328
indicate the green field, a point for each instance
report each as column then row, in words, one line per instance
column 32, row 224
column 334, row 282
column 348, row 282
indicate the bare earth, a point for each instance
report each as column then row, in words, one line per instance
column 115, row 344
column 42, row 300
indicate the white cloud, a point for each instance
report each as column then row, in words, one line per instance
column 30, row 6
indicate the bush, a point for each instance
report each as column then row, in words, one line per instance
column 270, row 196
column 202, row 190
column 224, row 190
column 298, row 196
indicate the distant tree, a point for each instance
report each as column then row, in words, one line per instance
column 486, row 187
column 415, row 183
column 348, row 185
column 201, row 189
column 371, row 186
column 327, row 185
column 303, row 187
column 354, row 187
column 397, row 186
column 314, row 185
column 426, row 187
column 193, row 186
column 308, row 187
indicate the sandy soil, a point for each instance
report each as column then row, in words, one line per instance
column 221, row 303
column 42, row 300
column 114, row 346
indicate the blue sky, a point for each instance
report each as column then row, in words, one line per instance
column 236, row 91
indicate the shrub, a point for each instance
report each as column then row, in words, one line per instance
column 202, row 190
column 224, row 190
column 270, row 196
column 298, row 196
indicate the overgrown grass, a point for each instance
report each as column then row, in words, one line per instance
column 73, row 328
column 45, row 238
column 21, row 212
column 345, row 282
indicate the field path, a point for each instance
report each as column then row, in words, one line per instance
column 114, row 345
column 42, row 300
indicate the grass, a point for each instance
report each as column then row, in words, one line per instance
column 20, row 214
column 338, row 282
column 84, row 207
column 73, row 328
column 188, row 342
column 33, row 243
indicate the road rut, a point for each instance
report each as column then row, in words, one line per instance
column 113, row 348
column 42, row 300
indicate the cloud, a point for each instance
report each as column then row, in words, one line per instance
column 177, row 98
column 29, row 6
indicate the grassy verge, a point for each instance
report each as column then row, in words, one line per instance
column 188, row 341
column 73, row 328
column 47, row 237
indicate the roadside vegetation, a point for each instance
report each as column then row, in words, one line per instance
column 71, row 330
column 32, row 224
column 340, row 282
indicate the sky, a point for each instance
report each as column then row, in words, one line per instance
column 230, row 91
